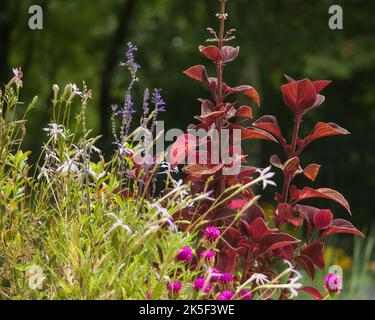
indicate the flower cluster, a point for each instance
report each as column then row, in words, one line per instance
column 130, row 63
column 211, row 234
column 185, row 254
column 208, row 255
column 201, row 284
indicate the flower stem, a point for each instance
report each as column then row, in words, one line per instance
column 297, row 123
column 220, row 65
column 288, row 180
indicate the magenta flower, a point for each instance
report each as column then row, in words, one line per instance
column 208, row 255
column 200, row 284
column 226, row 295
column 212, row 234
column 226, row 277
column 245, row 295
column 174, row 287
column 332, row 283
column 149, row 295
column 185, row 254
column 215, row 274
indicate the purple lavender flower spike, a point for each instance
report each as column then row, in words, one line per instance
column 130, row 63
column 146, row 98
column 158, row 101
column 128, row 110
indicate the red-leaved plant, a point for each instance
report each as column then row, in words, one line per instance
column 250, row 245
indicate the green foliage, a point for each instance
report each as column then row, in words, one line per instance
column 90, row 243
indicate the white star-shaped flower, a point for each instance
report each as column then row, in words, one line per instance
column 259, row 278
column 266, row 176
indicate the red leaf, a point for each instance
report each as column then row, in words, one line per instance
column 248, row 91
column 238, row 203
column 276, row 162
column 234, row 234
column 229, row 53
column 181, row 148
column 319, row 101
column 311, row 171
column 258, row 228
column 321, row 85
column 322, row 219
column 315, row 253
column 308, row 213
column 287, row 253
column 312, row 292
column 291, row 166
column 323, row 129
column 290, row 79
column 224, row 213
column 326, row 193
column 275, row 241
column 285, row 213
column 244, row 112
column 198, row 73
column 299, row 95
column 269, row 124
column 247, row 171
column 306, row 263
column 211, row 52
column 227, row 260
column 253, row 133
column 342, row 226
column 213, row 114
column 197, row 169
column 206, row 106
column 253, row 213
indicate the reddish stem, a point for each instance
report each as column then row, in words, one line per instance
column 288, row 180
column 219, row 71
column 297, row 123
column 246, row 266
column 220, row 65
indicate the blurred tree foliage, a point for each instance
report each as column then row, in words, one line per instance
column 84, row 40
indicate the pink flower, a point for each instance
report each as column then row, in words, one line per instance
column 212, row 234
column 226, row 277
column 332, row 283
column 215, row 274
column 149, row 295
column 174, row 287
column 226, row 295
column 200, row 284
column 185, row 254
column 245, row 295
column 208, row 255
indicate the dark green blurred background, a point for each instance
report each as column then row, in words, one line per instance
column 85, row 40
